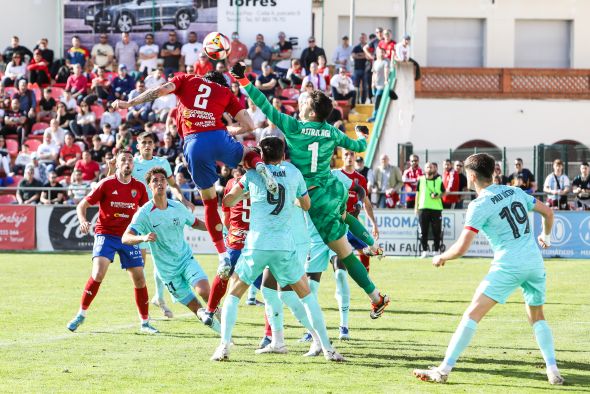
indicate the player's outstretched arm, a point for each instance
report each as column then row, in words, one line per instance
column 147, row 96
column 458, row 249
column 234, row 196
column 245, row 124
column 131, row 238
column 547, row 219
column 358, row 145
column 199, row 225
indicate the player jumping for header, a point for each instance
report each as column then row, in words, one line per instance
column 501, row 213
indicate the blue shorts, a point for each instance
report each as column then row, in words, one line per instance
column 283, row 265
column 202, row 150
column 500, row 284
column 107, row 245
column 356, row 243
column 234, row 255
column 181, row 285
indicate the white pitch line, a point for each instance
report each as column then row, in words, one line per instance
column 73, row 335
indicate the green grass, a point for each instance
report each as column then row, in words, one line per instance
column 39, row 293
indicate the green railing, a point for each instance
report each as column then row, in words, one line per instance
column 380, row 118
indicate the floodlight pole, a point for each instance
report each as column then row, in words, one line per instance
column 351, row 25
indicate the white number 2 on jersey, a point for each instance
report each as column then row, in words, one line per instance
column 201, row 98
column 314, row 148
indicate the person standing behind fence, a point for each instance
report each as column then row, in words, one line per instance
column 429, row 206
column 581, row 187
column 462, row 183
column 410, row 179
column 528, row 178
column 388, row 182
column 451, row 182
column 557, row 186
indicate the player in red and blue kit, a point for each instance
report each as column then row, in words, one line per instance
column 202, row 103
column 118, row 197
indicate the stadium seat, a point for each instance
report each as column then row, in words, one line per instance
column 16, row 179
column 9, row 91
column 33, row 144
column 98, row 110
column 12, row 147
column 292, row 103
column 290, row 94
column 7, row 199
column 81, row 145
column 56, row 92
column 289, row 110
column 64, row 179
column 37, row 90
column 39, row 126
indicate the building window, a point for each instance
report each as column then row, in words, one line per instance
column 455, row 42
column 542, row 44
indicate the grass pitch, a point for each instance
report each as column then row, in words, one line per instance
column 40, row 293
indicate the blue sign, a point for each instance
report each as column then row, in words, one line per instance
column 570, row 236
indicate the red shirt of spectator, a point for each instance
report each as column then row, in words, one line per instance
column 76, row 83
column 202, row 66
column 410, row 178
column 352, row 195
column 90, row 169
column 451, row 183
column 237, row 219
column 117, row 202
column 39, row 64
column 388, row 47
column 69, row 152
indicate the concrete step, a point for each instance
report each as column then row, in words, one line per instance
column 364, row 109
column 358, row 117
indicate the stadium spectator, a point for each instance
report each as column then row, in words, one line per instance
column 69, row 101
column 47, row 107
column 281, row 55
column 221, row 68
column 497, row 180
column 89, row 168
column 148, row 55
column 181, row 166
column 374, row 40
column 203, row 65
column 335, row 117
column 63, row 116
column 458, row 167
column 161, row 108
column 84, row 124
column 102, row 53
column 112, row 117
column 224, row 176
column 257, row 117
column 295, row 75
column 100, row 88
column 190, row 69
column 170, row 52
column 557, row 186
column 15, row 120
column 342, row 54
column 271, row 130
column 22, row 160
column 104, row 166
column 359, row 166
column 98, row 150
column 169, row 150
column 428, row 208
column 258, row 54
column 46, row 53
column 56, row 195
column 343, row 87
column 184, row 185
column 138, row 114
column 528, row 179
column 48, row 151
column 402, row 54
column 388, row 45
column 238, row 51
column 360, row 76
column 57, row 133
column 69, row 154
column 77, row 55
column 24, row 195
column 27, row 100
column 126, row 52
column 451, row 182
column 189, row 53
column 39, row 169
column 387, row 182
column 498, row 173
column 323, row 68
column 39, row 70
column 581, row 187
column 155, row 78
column 410, row 179
column 310, row 54
column 235, row 88
column 267, row 81
column 306, row 90
column 123, row 83
column 76, row 83
column 16, row 70
column 124, row 138
column 78, row 188
column 15, row 48
column 379, row 80
column 318, row 81
column 5, row 171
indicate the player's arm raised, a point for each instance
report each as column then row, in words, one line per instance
column 147, row 96
column 358, row 145
column 547, row 219
column 458, row 249
column 234, row 196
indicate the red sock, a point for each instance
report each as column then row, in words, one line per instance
column 213, row 224
column 267, row 329
column 90, row 291
column 251, row 159
column 365, row 260
column 218, row 288
column 142, row 301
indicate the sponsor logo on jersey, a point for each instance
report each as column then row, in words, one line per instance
column 133, row 193
column 115, row 193
column 123, row 205
column 121, row 215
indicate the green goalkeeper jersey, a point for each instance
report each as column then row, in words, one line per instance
column 311, row 144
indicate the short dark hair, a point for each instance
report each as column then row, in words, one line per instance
column 321, row 104
column 273, row 149
column 217, row 77
column 153, row 171
column 483, row 165
column 584, row 163
column 146, row 134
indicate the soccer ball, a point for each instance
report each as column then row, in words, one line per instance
column 216, row 46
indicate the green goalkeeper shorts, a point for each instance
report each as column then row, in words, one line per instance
column 328, row 203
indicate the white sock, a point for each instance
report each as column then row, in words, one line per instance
column 82, row 312
column 445, row 368
column 144, row 321
column 553, row 368
column 278, row 339
column 375, row 296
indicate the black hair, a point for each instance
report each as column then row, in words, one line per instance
column 146, row 134
column 584, row 163
column 273, row 149
column 321, row 104
column 483, row 165
column 217, row 77
column 153, row 171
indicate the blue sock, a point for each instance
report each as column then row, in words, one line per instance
column 316, row 317
column 159, row 285
column 545, row 341
column 314, row 286
column 342, row 295
column 229, row 315
column 459, row 342
column 296, row 307
column 273, row 308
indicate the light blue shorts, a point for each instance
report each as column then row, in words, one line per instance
column 500, row 284
column 282, row 264
column 181, row 285
column 302, row 251
column 318, row 258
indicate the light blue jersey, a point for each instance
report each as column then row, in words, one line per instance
column 141, row 167
column 271, row 216
column 501, row 213
column 170, row 251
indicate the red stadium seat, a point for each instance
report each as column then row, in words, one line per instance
column 9, row 91
column 98, row 110
column 39, row 126
column 12, row 147
column 16, row 180
column 38, row 94
column 290, row 93
column 63, row 179
column 56, row 92
column 289, row 110
column 7, row 198
column 33, row 144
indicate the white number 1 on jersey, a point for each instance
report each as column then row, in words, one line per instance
column 201, row 98
column 314, row 148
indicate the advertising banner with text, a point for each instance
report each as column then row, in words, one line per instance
column 17, row 227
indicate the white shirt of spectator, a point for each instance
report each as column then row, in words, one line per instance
column 70, row 104
column 257, row 117
column 379, row 68
column 191, row 52
column 165, row 102
column 22, row 159
column 150, row 64
column 47, row 149
column 127, row 54
column 5, row 164
column 342, row 83
column 102, row 53
column 57, row 136
column 108, row 139
column 342, row 55
column 318, row 82
column 564, row 182
column 152, row 82
column 112, row 118
column 402, row 52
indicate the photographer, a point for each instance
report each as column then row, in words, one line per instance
column 429, row 193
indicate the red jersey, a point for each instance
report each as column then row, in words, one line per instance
column 352, row 195
column 410, row 178
column 204, row 103
column 389, row 48
column 70, row 152
column 117, row 203
column 239, row 219
column 89, row 170
column 451, row 182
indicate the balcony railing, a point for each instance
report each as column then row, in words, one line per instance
column 441, row 82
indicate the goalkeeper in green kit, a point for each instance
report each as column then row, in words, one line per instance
column 311, row 143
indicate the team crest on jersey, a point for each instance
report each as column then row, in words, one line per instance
column 176, row 221
column 133, row 193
